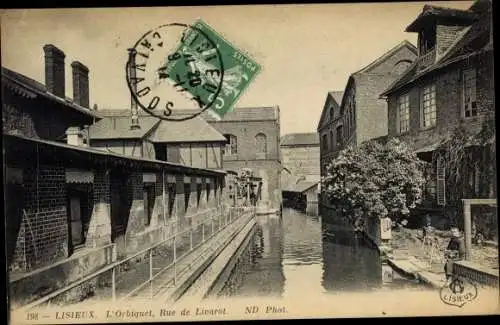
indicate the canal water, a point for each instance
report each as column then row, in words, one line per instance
column 298, row 254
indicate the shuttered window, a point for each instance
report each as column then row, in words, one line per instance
column 440, row 182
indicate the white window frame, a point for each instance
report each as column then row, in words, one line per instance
column 403, row 100
column 231, row 148
column 469, row 100
column 428, row 107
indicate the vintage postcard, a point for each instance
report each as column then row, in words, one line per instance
column 249, row 162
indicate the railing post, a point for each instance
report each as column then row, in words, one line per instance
column 212, row 223
column 203, row 232
column 113, row 283
column 175, row 257
column 151, row 274
column 191, row 237
column 467, row 229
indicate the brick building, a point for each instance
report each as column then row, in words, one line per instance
column 253, row 141
column 450, row 85
column 71, row 209
column 300, row 155
column 357, row 114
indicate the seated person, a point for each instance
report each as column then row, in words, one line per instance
column 454, row 252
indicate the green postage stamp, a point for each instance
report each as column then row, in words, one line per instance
column 217, row 76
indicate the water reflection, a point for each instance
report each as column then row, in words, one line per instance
column 264, row 276
column 298, row 255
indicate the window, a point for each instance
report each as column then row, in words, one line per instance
column 469, row 93
column 325, row 142
column 261, row 143
column 332, row 139
column 428, row 104
column 340, row 135
column 149, row 202
column 331, row 113
column 404, row 113
column 440, row 182
column 79, row 212
column 231, row 146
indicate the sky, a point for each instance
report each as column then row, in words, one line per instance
column 304, row 50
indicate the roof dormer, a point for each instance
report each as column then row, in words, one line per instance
column 437, row 29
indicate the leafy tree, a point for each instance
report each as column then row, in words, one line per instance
column 375, row 180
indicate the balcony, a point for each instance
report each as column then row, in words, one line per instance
column 427, row 59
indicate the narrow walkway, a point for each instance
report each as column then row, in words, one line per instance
column 188, row 262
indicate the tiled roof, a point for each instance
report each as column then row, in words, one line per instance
column 474, row 40
column 238, row 114
column 295, row 139
column 31, row 88
column 192, row 130
column 116, row 125
column 119, row 128
column 477, row 37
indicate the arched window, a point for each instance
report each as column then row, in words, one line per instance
column 231, row 145
column 261, row 143
column 331, row 113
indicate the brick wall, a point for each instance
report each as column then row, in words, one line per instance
column 43, row 236
column 371, row 111
column 448, row 102
column 99, row 231
column 301, row 160
column 245, row 131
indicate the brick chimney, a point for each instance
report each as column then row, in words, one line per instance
column 74, row 136
column 54, row 70
column 80, row 84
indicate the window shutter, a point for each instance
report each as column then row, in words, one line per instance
column 440, row 182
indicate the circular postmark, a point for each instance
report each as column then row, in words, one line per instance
column 175, row 72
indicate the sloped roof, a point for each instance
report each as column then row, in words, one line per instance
column 300, row 187
column 472, row 41
column 430, row 13
column 31, row 88
column 192, row 130
column 387, row 55
column 295, row 139
column 337, row 95
column 365, row 71
column 238, row 113
column 118, row 127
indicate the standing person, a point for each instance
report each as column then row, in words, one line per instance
column 454, row 252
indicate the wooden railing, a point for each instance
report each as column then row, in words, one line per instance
column 427, row 59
